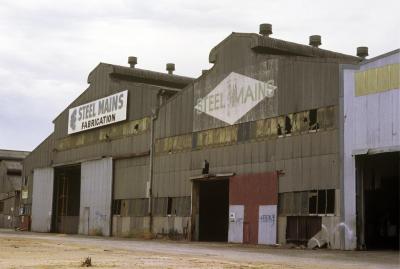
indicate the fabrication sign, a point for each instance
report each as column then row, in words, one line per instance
column 234, row 96
column 98, row 113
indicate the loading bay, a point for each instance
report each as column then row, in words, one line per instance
column 43, row 250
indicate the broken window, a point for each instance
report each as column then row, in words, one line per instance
column 296, row 119
column 169, row 206
column 280, row 126
column 312, row 120
column 312, row 202
column 116, row 207
column 288, row 124
column 330, row 200
column 321, row 202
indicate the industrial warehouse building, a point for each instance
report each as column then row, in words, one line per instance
column 277, row 143
column 11, row 188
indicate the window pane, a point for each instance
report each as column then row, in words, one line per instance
column 321, row 201
column 330, row 208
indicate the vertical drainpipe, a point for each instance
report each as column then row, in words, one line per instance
column 154, row 116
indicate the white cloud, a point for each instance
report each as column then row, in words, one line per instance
column 48, row 48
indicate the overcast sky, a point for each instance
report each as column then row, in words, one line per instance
column 48, row 48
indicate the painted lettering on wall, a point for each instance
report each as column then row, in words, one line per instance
column 234, row 96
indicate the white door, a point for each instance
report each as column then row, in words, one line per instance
column 42, row 199
column 267, row 224
column 95, row 204
column 236, row 218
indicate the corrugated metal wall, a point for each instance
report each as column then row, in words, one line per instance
column 95, row 203
column 130, row 178
column 309, row 159
column 42, row 199
column 141, row 97
column 371, row 121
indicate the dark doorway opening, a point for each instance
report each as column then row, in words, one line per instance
column 213, row 210
column 378, row 201
column 66, row 199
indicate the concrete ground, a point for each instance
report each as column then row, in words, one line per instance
column 35, row 250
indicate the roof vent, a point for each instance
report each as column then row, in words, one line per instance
column 170, row 68
column 265, row 29
column 362, row 52
column 315, row 41
column 132, row 61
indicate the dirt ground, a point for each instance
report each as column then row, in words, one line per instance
column 29, row 250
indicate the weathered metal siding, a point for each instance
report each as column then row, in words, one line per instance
column 371, row 122
column 130, row 178
column 262, row 69
column 42, row 199
column 308, row 159
column 136, row 144
column 96, row 191
column 141, row 97
column 41, row 156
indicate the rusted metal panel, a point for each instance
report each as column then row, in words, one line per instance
column 253, row 190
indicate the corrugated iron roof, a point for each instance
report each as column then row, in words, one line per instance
column 6, row 154
column 14, row 166
column 274, row 46
column 150, row 77
column 264, row 44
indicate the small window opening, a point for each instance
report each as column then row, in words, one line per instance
column 206, row 167
column 313, row 123
column 116, row 207
column 279, row 128
column 1, row 206
column 12, row 172
column 312, row 202
column 136, row 127
column 169, row 206
column 321, row 201
column 288, row 125
column 330, row 199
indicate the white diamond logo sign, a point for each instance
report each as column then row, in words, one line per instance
column 234, row 96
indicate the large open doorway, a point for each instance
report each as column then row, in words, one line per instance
column 378, row 201
column 66, row 199
column 213, row 209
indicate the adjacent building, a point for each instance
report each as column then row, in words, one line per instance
column 370, row 119
column 252, row 151
column 11, row 187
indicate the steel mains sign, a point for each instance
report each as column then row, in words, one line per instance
column 234, row 96
column 98, row 113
